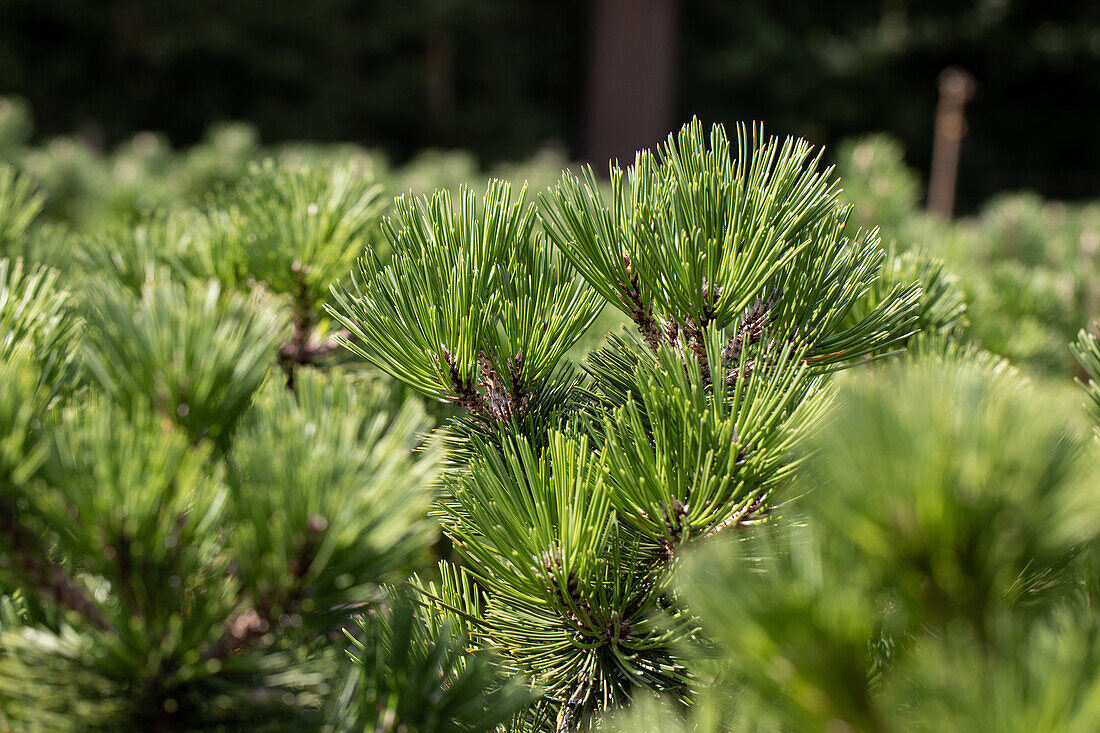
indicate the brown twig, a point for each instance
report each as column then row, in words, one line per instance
column 697, row 346
column 521, row 396
column 695, row 339
column 747, row 514
column 497, row 392
column 463, row 392
column 640, row 312
column 754, row 322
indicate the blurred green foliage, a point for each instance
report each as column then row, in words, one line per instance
column 183, row 538
column 1029, row 269
column 934, row 570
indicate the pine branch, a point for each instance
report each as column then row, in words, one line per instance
column 640, row 312
column 694, row 237
column 41, row 573
column 463, row 393
column 472, row 298
column 751, row 329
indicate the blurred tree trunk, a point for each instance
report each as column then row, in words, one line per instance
column 439, row 62
column 632, row 80
column 438, row 18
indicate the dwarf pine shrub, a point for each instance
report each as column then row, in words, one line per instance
column 571, row 495
column 222, row 509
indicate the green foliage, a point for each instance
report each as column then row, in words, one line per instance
column 986, row 502
column 1027, row 268
column 195, row 355
column 149, row 569
column 744, row 289
column 85, row 681
column 943, row 306
column 882, row 189
column 299, row 229
column 698, row 237
column 136, row 253
column 35, row 316
column 51, row 245
column 1040, row 678
column 159, row 569
column 191, row 540
column 134, row 506
column 797, row 636
column 491, row 303
column 933, row 578
column 332, row 470
column 1025, row 313
column 22, row 406
column 20, row 203
column 87, row 189
column 685, row 460
column 408, row 676
column 126, row 516
column 569, row 603
column 562, row 520
column 222, row 157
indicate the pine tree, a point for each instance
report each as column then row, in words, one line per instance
column 183, row 541
column 570, row 496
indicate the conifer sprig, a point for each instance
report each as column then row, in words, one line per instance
column 35, row 316
column 687, row 458
column 694, row 237
column 292, row 230
column 570, row 596
column 473, row 309
column 1086, row 349
column 194, row 354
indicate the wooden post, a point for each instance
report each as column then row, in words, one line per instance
column 957, row 87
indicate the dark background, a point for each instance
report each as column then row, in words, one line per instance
column 506, row 77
